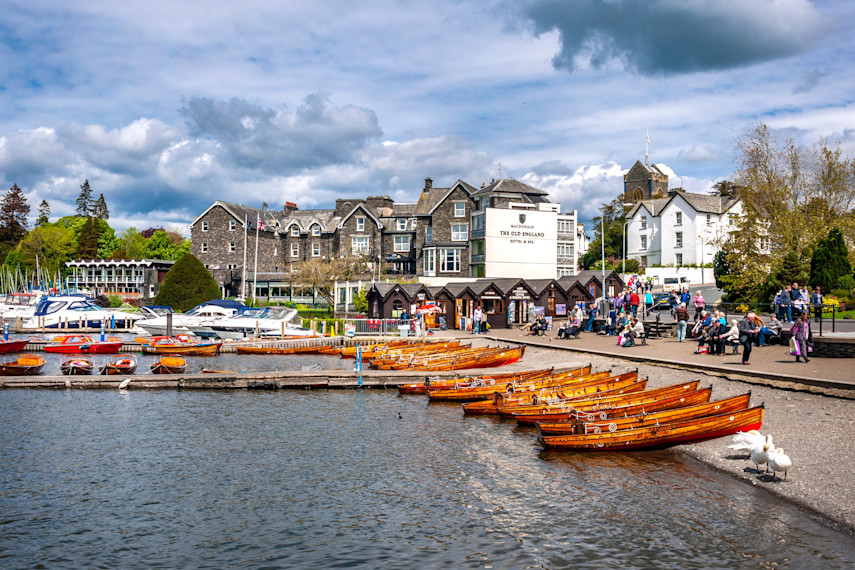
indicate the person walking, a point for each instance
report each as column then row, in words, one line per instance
column 681, row 313
column 816, row 301
column 787, row 304
column 747, row 334
column 700, row 304
column 476, row 321
column 592, row 314
column 801, row 334
column 633, row 302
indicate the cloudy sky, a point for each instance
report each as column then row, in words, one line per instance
column 167, row 105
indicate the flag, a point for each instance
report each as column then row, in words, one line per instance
column 648, row 137
column 260, row 223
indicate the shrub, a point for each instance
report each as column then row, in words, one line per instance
column 846, row 282
column 187, row 284
column 830, row 302
column 840, row 294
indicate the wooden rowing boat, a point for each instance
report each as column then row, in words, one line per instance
column 169, row 364
column 474, row 358
column 472, row 393
column 385, row 359
column 659, row 436
column 554, row 423
column 350, row 351
column 281, row 349
column 614, row 389
column 22, row 365
column 673, row 415
column 173, row 345
column 607, row 402
column 76, row 364
column 119, row 364
column 496, row 381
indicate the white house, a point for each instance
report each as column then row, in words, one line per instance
column 680, row 229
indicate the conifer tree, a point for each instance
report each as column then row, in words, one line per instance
column 187, row 284
column 87, row 245
column 44, row 213
column 13, row 215
column 99, row 210
column 84, row 200
column 830, row 261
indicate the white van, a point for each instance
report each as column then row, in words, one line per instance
column 675, row 283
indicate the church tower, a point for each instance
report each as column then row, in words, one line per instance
column 644, row 181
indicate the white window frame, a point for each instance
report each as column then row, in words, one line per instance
column 232, row 266
column 460, row 209
column 678, row 239
column 402, row 244
column 678, row 219
column 709, row 219
column 205, row 226
column 360, row 224
column 316, row 230
column 232, row 247
column 295, row 250
column 401, row 224
column 642, row 246
column 316, row 249
column 565, row 226
column 644, row 222
column 232, row 225
column 678, row 260
column 449, row 260
column 429, row 234
column 459, row 232
column 295, row 231
column 204, row 247
column 565, row 249
column 429, row 262
column 360, row 244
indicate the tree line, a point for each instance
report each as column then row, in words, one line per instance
column 86, row 235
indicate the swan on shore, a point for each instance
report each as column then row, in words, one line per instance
column 746, row 441
column 779, row 461
column 125, row 383
column 760, row 453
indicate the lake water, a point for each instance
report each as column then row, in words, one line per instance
column 327, row 479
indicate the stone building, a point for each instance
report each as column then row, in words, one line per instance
column 444, row 235
column 644, row 181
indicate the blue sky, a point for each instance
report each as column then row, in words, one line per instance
column 167, row 105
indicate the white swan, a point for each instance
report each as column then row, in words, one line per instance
column 780, row 461
column 125, row 383
column 760, row 453
column 746, row 441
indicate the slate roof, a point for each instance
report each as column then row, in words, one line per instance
column 510, row 186
column 704, row 203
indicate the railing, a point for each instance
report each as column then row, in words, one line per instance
column 477, row 233
column 380, row 327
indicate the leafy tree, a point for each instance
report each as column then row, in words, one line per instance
column 14, row 259
column 99, row 209
column 322, row 273
column 108, row 243
column 87, row 245
column 830, row 261
column 131, row 244
column 360, row 301
column 187, row 284
column 159, row 246
column 84, row 200
column 44, row 213
column 613, row 217
column 147, row 233
column 721, row 268
column 52, row 243
column 725, row 188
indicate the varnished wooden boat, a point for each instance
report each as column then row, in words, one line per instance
column 559, row 420
column 169, row 364
column 659, row 436
column 350, row 351
column 76, row 364
column 172, row 345
column 495, row 381
column 607, row 402
column 281, row 349
column 473, row 393
column 673, row 415
column 119, row 364
column 475, row 358
column 614, row 389
column 384, row 358
column 22, row 365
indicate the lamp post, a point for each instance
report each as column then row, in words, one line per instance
column 603, row 245
column 624, row 249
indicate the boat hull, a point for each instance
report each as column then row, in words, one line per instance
column 22, row 365
column 7, row 346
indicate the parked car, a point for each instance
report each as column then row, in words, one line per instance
column 661, row 302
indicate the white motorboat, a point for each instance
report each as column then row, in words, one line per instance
column 19, row 305
column 181, row 322
column 77, row 311
column 269, row 321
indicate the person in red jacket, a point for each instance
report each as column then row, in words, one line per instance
column 633, row 302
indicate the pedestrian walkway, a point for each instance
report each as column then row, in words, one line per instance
column 770, row 362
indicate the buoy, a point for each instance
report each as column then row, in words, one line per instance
column 124, row 383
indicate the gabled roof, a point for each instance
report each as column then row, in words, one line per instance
column 511, row 186
column 649, row 168
column 704, row 203
column 652, row 205
column 433, row 197
column 273, row 219
column 360, row 206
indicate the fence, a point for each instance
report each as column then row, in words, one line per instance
column 382, row 327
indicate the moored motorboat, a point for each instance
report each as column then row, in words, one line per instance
column 169, row 364
column 22, row 365
column 76, row 364
column 119, row 364
column 76, row 312
column 175, row 345
column 77, row 344
column 16, row 345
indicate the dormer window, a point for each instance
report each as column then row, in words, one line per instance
column 316, row 230
column 401, row 224
column 295, row 231
column 360, row 224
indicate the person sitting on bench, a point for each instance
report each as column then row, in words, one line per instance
column 636, row 331
column 571, row 328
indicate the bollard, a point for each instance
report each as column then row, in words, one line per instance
column 5, row 330
column 359, row 363
column 102, row 331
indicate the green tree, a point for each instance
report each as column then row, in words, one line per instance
column 360, row 301
column 87, row 245
column 721, row 268
column 187, row 284
column 830, row 261
column 108, row 243
column 13, row 218
column 99, row 208
column 321, row 274
column 53, row 244
column 613, row 216
column 84, row 200
column 44, row 213
column 131, row 244
column 159, row 246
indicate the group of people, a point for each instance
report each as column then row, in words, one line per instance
column 792, row 302
column 574, row 323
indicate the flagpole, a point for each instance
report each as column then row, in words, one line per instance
column 647, row 147
column 243, row 277
column 255, row 270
